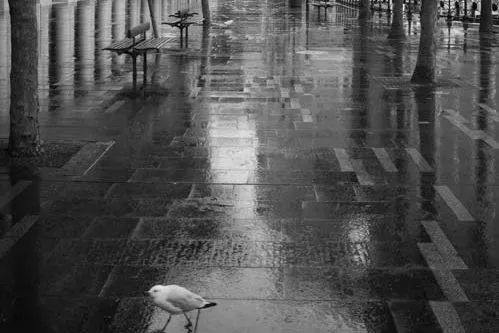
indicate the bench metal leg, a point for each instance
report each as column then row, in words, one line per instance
column 134, row 62
column 186, row 36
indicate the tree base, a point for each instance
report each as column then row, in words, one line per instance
column 31, row 150
column 423, row 79
column 397, row 32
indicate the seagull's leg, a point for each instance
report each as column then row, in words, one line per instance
column 197, row 320
column 169, row 318
column 189, row 322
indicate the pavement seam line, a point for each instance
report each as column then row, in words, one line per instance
column 109, row 145
column 13, row 192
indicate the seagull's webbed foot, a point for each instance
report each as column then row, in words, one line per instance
column 189, row 322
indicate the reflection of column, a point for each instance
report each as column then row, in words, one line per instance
column 134, row 15
column 166, row 9
column 4, row 62
column 144, row 12
column 119, row 27
column 104, row 37
column 65, row 46
column 157, row 9
column 483, row 157
column 86, row 42
column 43, row 56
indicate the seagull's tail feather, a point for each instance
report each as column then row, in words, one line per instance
column 208, row 305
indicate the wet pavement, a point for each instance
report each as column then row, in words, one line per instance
column 281, row 165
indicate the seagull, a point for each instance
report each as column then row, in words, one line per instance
column 177, row 300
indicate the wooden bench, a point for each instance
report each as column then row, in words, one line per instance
column 136, row 43
column 184, row 19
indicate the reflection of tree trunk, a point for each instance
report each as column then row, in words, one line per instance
column 486, row 16
column 425, row 71
column 360, row 81
column 364, row 12
column 24, row 139
column 24, row 260
column 397, row 29
column 426, row 106
column 205, row 6
column 398, row 61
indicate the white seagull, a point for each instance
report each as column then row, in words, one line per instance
column 177, row 300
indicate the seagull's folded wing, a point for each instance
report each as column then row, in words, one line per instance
column 186, row 300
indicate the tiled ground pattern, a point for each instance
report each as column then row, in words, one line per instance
column 286, row 169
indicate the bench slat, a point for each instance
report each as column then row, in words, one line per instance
column 152, row 44
column 120, row 45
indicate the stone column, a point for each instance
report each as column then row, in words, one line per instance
column 4, row 64
column 43, row 55
column 104, row 37
column 86, row 41
column 119, row 27
column 65, row 49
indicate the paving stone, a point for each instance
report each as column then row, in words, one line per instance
column 111, row 227
column 284, row 316
column 361, row 283
column 51, row 190
column 132, row 281
column 230, row 283
column 203, row 229
column 88, row 251
column 479, row 284
column 479, row 316
column 61, row 314
column 414, row 316
column 60, row 226
column 139, row 190
column 69, row 280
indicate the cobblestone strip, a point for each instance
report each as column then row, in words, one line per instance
column 13, row 192
column 454, row 204
column 419, row 160
column 16, row 233
column 442, row 257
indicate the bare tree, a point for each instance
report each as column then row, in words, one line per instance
column 425, row 71
column 24, row 139
column 397, row 28
column 486, row 17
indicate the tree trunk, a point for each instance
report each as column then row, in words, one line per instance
column 24, row 139
column 397, row 29
column 486, row 17
column 364, row 12
column 205, row 6
column 425, row 71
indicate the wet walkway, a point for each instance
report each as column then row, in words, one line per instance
column 281, row 166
